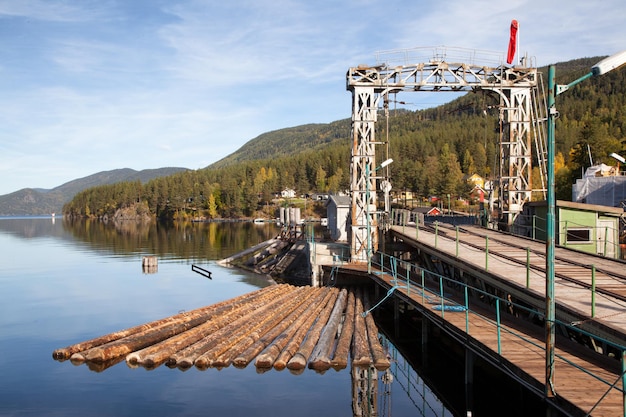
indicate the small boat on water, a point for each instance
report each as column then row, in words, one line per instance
column 259, row 220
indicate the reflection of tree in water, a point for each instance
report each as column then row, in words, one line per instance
column 190, row 241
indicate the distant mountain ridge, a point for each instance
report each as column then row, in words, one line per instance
column 38, row 201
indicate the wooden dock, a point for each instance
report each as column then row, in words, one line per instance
column 585, row 382
column 280, row 326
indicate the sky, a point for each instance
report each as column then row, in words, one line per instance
column 96, row 85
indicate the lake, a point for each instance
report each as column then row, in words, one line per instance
column 64, row 283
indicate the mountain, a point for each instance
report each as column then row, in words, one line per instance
column 31, row 201
column 288, row 141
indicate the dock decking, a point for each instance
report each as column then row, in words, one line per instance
column 584, row 380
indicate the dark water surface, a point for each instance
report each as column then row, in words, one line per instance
column 64, row 283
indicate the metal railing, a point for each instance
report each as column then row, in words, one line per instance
column 431, row 287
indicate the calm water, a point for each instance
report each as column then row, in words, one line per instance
column 63, row 283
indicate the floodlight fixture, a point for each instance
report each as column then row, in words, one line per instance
column 618, row 157
column 385, row 163
column 609, row 64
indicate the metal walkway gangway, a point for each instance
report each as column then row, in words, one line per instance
column 492, row 326
column 489, row 286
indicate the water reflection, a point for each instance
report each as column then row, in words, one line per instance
column 64, row 282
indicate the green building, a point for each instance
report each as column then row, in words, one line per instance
column 588, row 228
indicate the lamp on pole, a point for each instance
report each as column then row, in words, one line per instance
column 368, row 214
column 602, row 67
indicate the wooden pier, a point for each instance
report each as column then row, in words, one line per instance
column 493, row 305
column 281, row 326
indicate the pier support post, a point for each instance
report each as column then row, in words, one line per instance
column 470, row 358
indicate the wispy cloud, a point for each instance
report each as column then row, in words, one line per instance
column 98, row 85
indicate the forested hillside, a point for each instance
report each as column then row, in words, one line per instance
column 28, row 201
column 433, row 149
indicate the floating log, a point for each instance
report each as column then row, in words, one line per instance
column 296, row 331
column 270, row 326
column 294, row 343
column 67, row 352
column 259, row 325
column 381, row 361
column 340, row 358
column 186, row 357
column 299, row 360
column 302, row 312
column 223, row 313
column 154, row 335
column 320, row 358
column 291, row 327
column 360, row 349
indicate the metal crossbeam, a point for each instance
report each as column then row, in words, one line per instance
column 368, row 84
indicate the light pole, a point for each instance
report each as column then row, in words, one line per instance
column 368, row 214
column 602, row 67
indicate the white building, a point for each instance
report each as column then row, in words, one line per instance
column 288, row 193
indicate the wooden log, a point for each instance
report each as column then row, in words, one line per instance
column 229, row 260
column 149, row 337
column 299, row 360
column 340, row 358
column 186, row 357
column 320, row 357
column 381, row 361
column 67, row 352
column 360, row 346
column 221, row 356
column 295, row 332
column 158, row 353
column 305, row 309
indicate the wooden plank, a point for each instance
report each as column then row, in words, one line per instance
column 528, row 356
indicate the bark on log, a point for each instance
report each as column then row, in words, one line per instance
column 340, row 358
column 244, row 358
column 360, row 346
column 221, row 355
column 152, row 336
column 381, row 361
column 268, row 357
column 299, row 360
column 320, row 358
column 67, row 352
column 158, row 353
column 292, row 344
column 186, row 357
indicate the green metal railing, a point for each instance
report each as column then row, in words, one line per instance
column 528, row 266
column 435, row 294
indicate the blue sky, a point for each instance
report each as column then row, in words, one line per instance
column 89, row 86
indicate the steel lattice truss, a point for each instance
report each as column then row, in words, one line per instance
column 369, row 83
